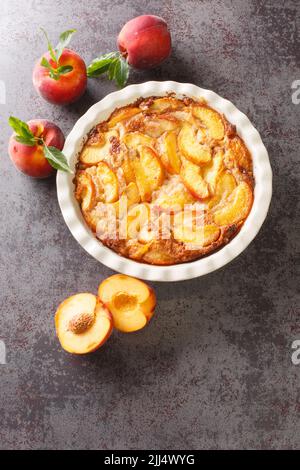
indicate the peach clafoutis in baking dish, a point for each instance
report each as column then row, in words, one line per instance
column 164, row 180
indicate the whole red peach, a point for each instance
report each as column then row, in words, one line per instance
column 69, row 87
column 145, row 41
column 30, row 159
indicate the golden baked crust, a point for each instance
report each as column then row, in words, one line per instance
column 165, row 180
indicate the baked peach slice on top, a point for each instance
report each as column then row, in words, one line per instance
column 109, row 182
column 85, row 191
column 82, row 323
column 127, row 169
column 158, row 256
column 189, row 232
column 152, row 166
column 238, row 154
column 169, row 154
column 212, row 170
column 122, row 115
column 130, row 301
column 139, row 226
column 148, row 171
column 138, row 250
column 225, row 184
column 211, row 120
column 193, row 180
column 129, row 196
column 190, row 147
column 134, row 139
column 162, row 123
column 96, row 152
column 174, row 202
column 160, row 105
column 137, row 217
column 237, row 206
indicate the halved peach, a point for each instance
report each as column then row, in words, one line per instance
column 82, row 323
column 212, row 121
column 95, row 153
column 190, row 147
column 109, row 182
column 169, row 155
column 130, row 301
column 193, row 180
column 122, row 115
column 134, row 139
column 237, row 206
column 85, row 190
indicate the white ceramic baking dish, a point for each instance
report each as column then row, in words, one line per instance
column 101, row 111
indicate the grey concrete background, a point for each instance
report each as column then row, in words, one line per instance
column 213, row 369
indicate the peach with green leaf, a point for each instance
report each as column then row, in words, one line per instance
column 35, row 147
column 60, row 75
column 144, row 42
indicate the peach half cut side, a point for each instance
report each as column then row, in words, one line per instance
column 82, row 323
column 130, row 301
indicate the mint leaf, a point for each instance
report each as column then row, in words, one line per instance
column 63, row 69
column 56, row 158
column 64, row 40
column 101, row 64
column 21, row 128
column 25, row 140
column 121, row 72
column 50, row 47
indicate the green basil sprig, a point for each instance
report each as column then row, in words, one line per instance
column 24, row 135
column 114, row 64
column 55, row 54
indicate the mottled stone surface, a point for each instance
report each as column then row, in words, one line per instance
column 213, row 370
